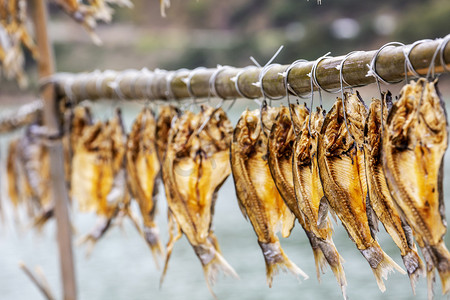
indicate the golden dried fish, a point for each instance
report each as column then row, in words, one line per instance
column 143, row 167
column 195, row 166
column 380, row 198
column 163, row 124
column 309, row 192
column 98, row 175
column 342, row 172
column 414, row 144
column 257, row 194
column 281, row 139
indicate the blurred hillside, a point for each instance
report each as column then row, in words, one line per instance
column 210, row 32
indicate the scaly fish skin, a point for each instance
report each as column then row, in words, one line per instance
column 257, row 194
column 195, row 166
column 309, row 192
column 143, row 167
column 281, row 139
column 414, row 143
column 379, row 195
column 342, row 171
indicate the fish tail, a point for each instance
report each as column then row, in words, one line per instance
column 40, row 220
column 335, row 261
column 441, row 259
column 414, row 267
column 381, row 264
column 319, row 257
column 151, row 235
column 276, row 259
column 212, row 263
column 430, row 268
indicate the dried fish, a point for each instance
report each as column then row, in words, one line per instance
column 309, row 192
column 166, row 115
column 195, row 166
column 143, row 167
column 380, row 199
column 257, row 194
column 342, row 172
column 414, row 144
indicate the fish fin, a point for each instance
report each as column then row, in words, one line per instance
column 430, row 268
column 212, row 263
column 151, row 235
column 173, row 225
column 323, row 213
column 414, row 267
column 335, row 262
column 441, row 259
column 96, row 233
column 371, row 218
column 319, row 257
column 381, row 264
column 41, row 219
column 276, row 259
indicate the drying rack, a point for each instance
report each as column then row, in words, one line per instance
column 389, row 64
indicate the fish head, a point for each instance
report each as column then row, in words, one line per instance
column 356, row 113
column 337, row 139
column 247, row 131
column 282, row 135
column 163, row 124
column 299, row 114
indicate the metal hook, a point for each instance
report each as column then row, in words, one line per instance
column 342, row 80
column 260, row 84
column 235, row 79
column 68, row 88
column 212, row 81
column 99, row 81
column 170, row 76
column 408, row 65
column 432, row 63
column 314, row 77
column 188, row 81
column 373, row 69
column 287, row 86
column 444, row 43
column 150, row 77
column 263, row 105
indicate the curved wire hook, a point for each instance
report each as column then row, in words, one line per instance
column 373, row 68
column 288, row 88
column 314, row 77
column 444, row 43
column 433, row 63
column 235, row 79
column 100, row 79
column 408, row 65
column 342, row 80
column 150, row 76
column 260, row 84
column 188, row 81
column 170, row 76
column 212, row 81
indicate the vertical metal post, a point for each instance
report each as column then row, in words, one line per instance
column 51, row 120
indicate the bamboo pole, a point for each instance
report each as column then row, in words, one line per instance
column 52, row 123
column 163, row 85
column 25, row 115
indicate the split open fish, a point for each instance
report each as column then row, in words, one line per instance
column 342, row 172
column 380, row 199
column 309, row 193
column 256, row 191
column 414, row 144
column 195, row 166
column 143, row 167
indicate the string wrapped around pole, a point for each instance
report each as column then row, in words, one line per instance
column 233, row 82
column 25, row 115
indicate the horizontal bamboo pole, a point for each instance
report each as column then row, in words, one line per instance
column 172, row 85
column 25, row 115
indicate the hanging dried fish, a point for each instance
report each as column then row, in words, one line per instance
column 414, row 144
column 257, row 194
column 342, row 172
column 195, row 166
column 98, row 175
column 143, row 167
column 309, row 192
column 379, row 195
column 166, row 115
column 280, row 149
column 88, row 12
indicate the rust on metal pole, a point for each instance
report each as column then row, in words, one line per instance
column 52, row 122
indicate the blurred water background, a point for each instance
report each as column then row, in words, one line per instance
column 208, row 32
